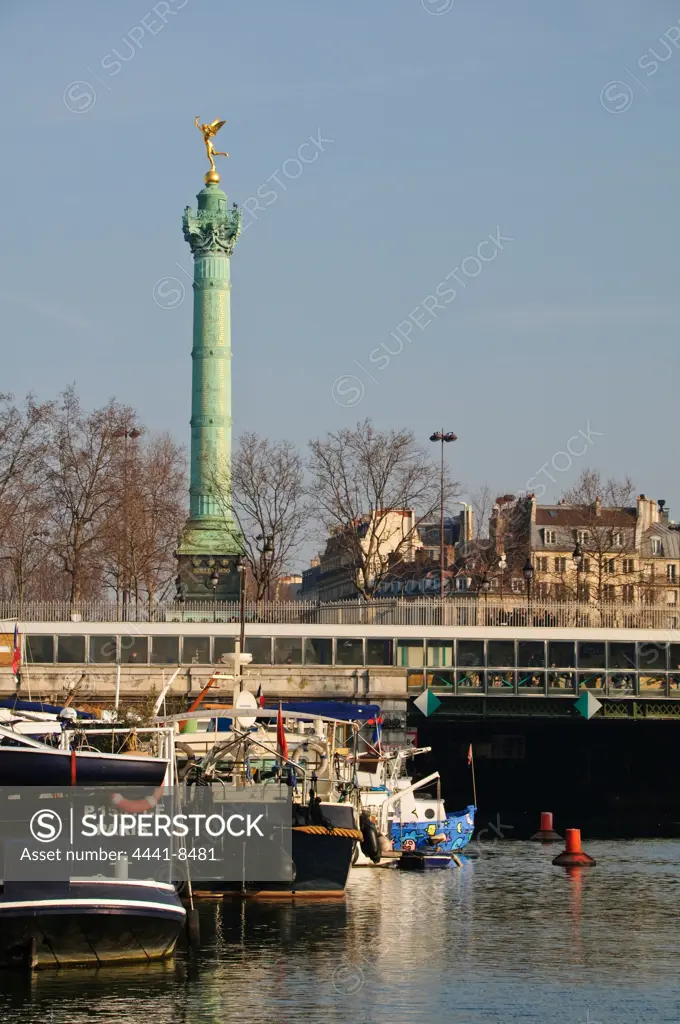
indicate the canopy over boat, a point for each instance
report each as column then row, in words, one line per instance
column 14, row 704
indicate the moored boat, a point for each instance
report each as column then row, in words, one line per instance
column 87, row 921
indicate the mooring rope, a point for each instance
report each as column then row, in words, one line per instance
column 321, row 830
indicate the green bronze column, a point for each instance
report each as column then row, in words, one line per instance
column 210, row 540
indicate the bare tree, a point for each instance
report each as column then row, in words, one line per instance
column 83, row 484
column 145, row 516
column 370, row 491
column 265, row 496
column 602, row 514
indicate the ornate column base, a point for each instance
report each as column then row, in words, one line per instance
column 205, row 547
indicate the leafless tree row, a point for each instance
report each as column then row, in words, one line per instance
column 89, row 503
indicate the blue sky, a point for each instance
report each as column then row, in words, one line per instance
column 440, row 129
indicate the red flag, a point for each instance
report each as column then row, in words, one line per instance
column 470, row 755
column 281, row 736
column 260, row 696
column 16, row 656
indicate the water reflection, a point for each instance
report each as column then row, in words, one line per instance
column 506, row 938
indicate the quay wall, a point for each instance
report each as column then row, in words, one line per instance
column 139, row 682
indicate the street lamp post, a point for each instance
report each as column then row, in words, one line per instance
column 528, row 571
column 577, row 558
column 485, row 587
column 179, row 595
column 214, row 583
column 241, row 567
column 126, row 435
column 443, row 438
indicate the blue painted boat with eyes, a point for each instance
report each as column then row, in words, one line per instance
column 451, row 835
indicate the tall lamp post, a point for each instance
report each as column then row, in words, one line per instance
column 443, row 438
column 577, row 559
column 241, row 568
column 213, row 582
column 126, row 435
column 528, row 571
column 485, row 587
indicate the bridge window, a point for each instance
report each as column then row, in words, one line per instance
column 102, row 650
column 349, row 651
column 134, row 650
column 622, row 656
column 165, row 650
column 470, row 653
column 71, row 650
column 621, row 684
column 410, row 653
column 561, row 682
column 378, row 652
column 652, row 685
column 318, row 651
column 287, row 650
column 531, row 654
column 591, row 681
column 501, row 653
column 561, row 654
column 675, row 656
column 590, row 655
column 533, row 682
column 439, row 653
column 653, row 656
column 223, row 645
column 39, row 649
column 470, row 681
column 196, row 650
column 261, row 649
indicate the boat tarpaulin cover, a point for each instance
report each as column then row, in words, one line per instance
column 329, row 709
column 14, row 704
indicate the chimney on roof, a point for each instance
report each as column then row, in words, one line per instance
column 663, row 511
column 598, row 506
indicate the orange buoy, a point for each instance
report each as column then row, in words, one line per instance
column 546, row 833
column 573, row 856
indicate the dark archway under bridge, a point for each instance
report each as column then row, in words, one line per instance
column 614, row 776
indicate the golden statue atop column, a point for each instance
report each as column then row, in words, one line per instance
column 209, row 131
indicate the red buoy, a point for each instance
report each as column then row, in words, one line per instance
column 573, row 856
column 546, row 833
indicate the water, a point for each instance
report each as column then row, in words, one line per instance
column 506, row 938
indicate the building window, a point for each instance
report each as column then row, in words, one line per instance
column 196, row 650
column 516, row 585
column 611, row 565
column 586, row 565
column 102, row 650
column 671, row 573
column 261, row 649
column 628, row 593
column 379, row 652
column 39, row 650
column 542, row 590
column 287, row 650
column 548, row 536
column 628, row 565
column 560, row 565
column 439, row 653
column 656, row 546
column 71, row 649
column 318, row 651
column 223, row 645
column 609, row 592
column 164, row 650
column 410, row 653
column 672, row 597
column 617, row 540
column 349, row 652
column 134, row 650
column 582, row 536
column 541, row 563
